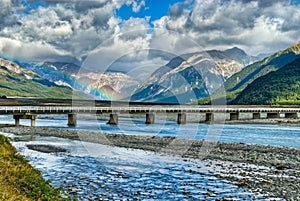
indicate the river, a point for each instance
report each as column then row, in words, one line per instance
column 89, row 171
column 274, row 135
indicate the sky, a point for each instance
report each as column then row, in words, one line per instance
column 155, row 9
column 134, row 35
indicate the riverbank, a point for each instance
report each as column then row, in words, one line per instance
column 20, row 181
column 273, row 171
column 275, row 121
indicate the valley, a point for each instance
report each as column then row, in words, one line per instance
column 223, row 77
column 161, row 100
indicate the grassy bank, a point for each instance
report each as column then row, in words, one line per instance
column 19, row 180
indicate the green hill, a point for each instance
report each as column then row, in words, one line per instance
column 281, row 87
column 18, row 82
column 239, row 81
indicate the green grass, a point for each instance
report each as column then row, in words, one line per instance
column 19, row 180
column 218, row 99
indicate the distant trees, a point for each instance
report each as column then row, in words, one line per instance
column 279, row 87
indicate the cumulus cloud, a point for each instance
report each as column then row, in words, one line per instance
column 71, row 27
column 35, row 49
column 253, row 25
column 5, row 6
column 129, row 44
column 136, row 6
column 6, row 9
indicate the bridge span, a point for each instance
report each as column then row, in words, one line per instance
column 31, row 112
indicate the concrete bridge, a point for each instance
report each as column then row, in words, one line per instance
column 29, row 112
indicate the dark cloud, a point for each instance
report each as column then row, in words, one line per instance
column 265, row 3
column 84, row 6
column 7, row 8
column 176, row 10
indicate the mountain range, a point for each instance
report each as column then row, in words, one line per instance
column 192, row 76
column 184, row 79
column 16, row 81
column 117, row 85
column 106, row 86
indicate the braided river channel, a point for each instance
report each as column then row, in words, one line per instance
column 89, row 171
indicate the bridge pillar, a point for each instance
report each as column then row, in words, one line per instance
column 256, row 115
column 150, row 118
column 17, row 120
column 113, row 119
column 181, row 118
column 234, row 116
column 72, row 119
column 209, row 117
column 291, row 115
column 33, row 118
column 272, row 115
column 18, row 117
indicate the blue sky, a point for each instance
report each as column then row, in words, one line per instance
column 155, row 9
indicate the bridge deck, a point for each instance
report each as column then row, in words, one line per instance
column 30, row 112
column 84, row 110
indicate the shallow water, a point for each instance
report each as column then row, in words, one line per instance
column 89, row 171
column 275, row 135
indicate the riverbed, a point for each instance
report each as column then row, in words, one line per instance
column 114, row 173
column 149, row 165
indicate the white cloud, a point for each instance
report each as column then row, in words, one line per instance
column 66, row 27
column 83, row 29
column 71, row 27
column 136, row 6
column 129, row 44
column 32, row 50
column 253, row 25
column 5, row 6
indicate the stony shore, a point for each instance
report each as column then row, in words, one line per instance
column 272, row 171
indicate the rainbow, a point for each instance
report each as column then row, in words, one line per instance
column 99, row 93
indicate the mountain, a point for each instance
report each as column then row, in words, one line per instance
column 57, row 72
column 239, row 55
column 106, row 86
column 278, row 87
column 242, row 57
column 66, row 68
column 16, row 81
column 102, row 86
column 229, row 61
column 191, row 76
column 261, row 56
column 239, row 81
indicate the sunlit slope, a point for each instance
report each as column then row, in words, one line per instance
column 18, row 82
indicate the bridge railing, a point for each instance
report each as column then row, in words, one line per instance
column 82, row 109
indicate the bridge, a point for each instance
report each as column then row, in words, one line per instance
column 31, row 112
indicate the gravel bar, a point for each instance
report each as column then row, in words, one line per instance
column 268, row 170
